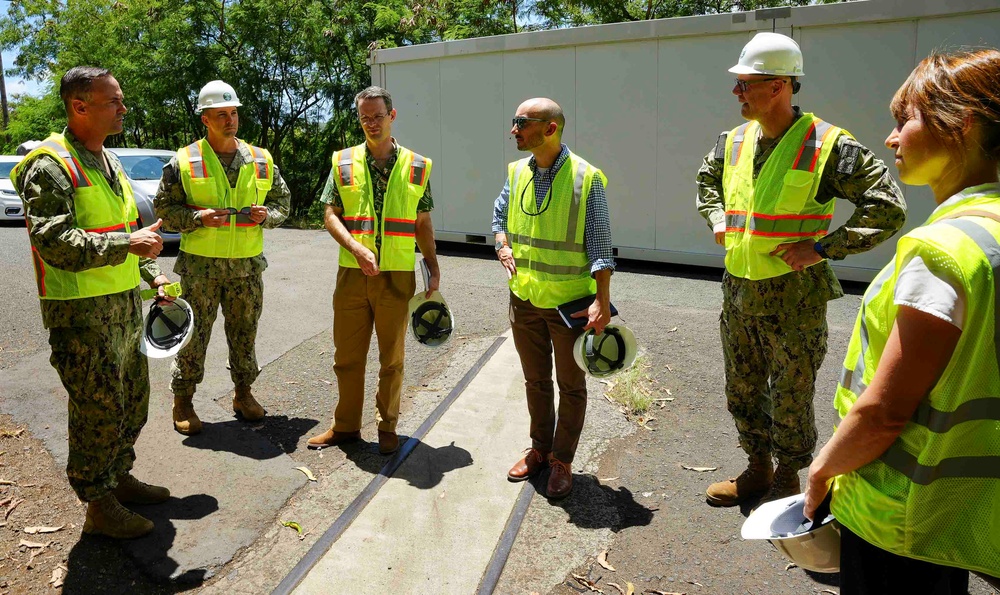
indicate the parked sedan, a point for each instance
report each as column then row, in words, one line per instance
column 11, row 207
column 144, row 168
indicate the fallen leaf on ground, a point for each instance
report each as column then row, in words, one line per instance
column 602, row 559
column 629, row 588
column 291, row 382
column 34, row 530
column 672, row 330
column 308, row 473
column 655, row 592
column 327, row 381
column 58, row 574
column 11, row 508
column 791, row 565
column 695, row 583
column 587, row 583
column 7, row 482
column 32, row 544
column 11, row 433
column 293, row 525
column 617, row 586
column 699, row 469
column 828, row 591
column 603, row 479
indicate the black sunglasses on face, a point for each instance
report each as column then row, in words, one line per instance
column 744, row 85
column 520, row 122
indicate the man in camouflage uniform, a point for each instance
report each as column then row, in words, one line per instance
column 378, row 206
column 210, row 192
column 89, row 254
column 776, row 284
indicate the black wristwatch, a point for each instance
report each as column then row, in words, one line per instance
column 819, row 250
column 499, row 245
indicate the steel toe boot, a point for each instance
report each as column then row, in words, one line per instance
column 185, row 419
column 132, row 491
column 751, row 483
column 246, row 405
column 106, row 516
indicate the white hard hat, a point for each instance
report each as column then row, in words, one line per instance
column 431, row 321
column 770, row 53
column 606, row 354
column 811, row 545
column 166, row 329
column 217, row 94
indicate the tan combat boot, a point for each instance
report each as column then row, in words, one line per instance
column 132, row 491
column 185, row 419
column 752, row 482
column 107, row 516
column 786, row 483
column 246, row 405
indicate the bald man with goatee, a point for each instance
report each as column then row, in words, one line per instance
column 549, row 194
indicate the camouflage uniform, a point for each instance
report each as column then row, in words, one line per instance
column 235, row 283
column 774, row 330
column 95, row 341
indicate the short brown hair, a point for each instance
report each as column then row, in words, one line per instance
column 77, row 82
column 950, row 88
column 375, row 92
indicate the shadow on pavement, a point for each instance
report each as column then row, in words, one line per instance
column 97, row 564
column 423, row 468
column 592, row 505
column 274, row 436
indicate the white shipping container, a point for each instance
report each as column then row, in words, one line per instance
column 646, row 101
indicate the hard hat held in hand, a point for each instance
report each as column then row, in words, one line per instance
column 811, row 545
column 166, row 329
column 431, row 322
column 770, row 53
column 606, row 354
column 217, row 94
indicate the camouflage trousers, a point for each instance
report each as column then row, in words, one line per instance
column 107, row 380
column 771, row 363
column 242, row 300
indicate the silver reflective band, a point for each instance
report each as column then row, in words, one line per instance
column 970, row 467
column 935, row 420
column 854, row 380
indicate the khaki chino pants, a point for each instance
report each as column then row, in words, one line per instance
column 361, row 303
column 538, row 333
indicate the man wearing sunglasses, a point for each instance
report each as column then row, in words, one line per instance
column 767, row 190
column 553, row 237
column 220, row 193
column 378, row 208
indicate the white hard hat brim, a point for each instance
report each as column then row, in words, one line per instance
column 154, row 352
column 758, row 524
column 223, row 104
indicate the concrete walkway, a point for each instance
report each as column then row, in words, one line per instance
column 415, row 539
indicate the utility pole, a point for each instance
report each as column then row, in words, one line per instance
column 3, row 94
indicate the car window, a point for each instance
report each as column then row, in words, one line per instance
column 5, row 167
column 144, row 167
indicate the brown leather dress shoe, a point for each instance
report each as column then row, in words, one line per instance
column 388, row 442
column 531, row 463
column 331, row 438
column 560, row 479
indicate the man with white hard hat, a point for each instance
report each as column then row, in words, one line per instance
column 219, row 193
column 767, row 190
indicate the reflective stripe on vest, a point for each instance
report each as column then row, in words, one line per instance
column 569, row 244
column 76, row 173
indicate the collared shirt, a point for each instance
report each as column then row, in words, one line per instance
column 597, row 223
column 380, row 183
column 48, row 194
column 854, row 173
column 170, row 206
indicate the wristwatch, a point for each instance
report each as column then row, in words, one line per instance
column 819, row 250
column 499, row 245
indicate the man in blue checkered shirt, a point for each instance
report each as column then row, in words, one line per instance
column 553, row 237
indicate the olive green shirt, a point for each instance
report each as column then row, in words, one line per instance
column 170, row 205
column 50, row 212
column 380, row 183
column 853, row 173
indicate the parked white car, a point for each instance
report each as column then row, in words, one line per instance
column 11, row 207
column 144, row 168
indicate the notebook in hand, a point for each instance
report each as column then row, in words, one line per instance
column 569, row 308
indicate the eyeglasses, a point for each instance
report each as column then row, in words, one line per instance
column 744, row 85
column 520, row 122
column 366, row 121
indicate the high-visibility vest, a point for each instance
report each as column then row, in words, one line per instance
column 207, row 187
column 407, row 183
column 97, row 209
column 552, row 263
column 780, row 205
column 934, row 495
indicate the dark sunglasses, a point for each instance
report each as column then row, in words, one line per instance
column 520, row 122
column 744, row 85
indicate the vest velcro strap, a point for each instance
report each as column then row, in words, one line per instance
column 109, row 229
column 196, row 161
column 966, row 467
column 360, row 225
column 527, row 240
column 418, row 169
column 935, row 420
column 76, row 173
column 738, row 144
column 400, row 227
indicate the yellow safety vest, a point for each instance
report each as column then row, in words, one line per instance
column 407, row 184
column 97, row 209
column 207, row 187
column 780, row 205
column 552, row 263
column 934, row 495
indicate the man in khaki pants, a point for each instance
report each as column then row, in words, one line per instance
column 378, row 204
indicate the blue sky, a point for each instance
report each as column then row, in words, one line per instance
column 15, row 84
